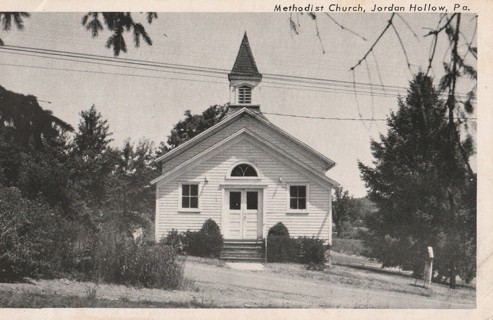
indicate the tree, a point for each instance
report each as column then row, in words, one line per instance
column 344, row 210
column 116, row 22
column 423, row 194
column 23, row 121
column 130, row 199
column 193, row 125
column 6, row 19
column 92, row 157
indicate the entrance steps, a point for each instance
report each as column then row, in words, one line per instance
column 243, row 250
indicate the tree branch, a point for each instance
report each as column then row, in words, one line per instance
column 344, row 28
column 441, row 28
column 314, row 17
column 408, row 26
column 402, row 46
column 374, row 43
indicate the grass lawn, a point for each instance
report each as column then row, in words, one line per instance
column 39, row 300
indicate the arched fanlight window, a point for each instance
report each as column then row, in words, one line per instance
column 245, row 94
column 244, row 170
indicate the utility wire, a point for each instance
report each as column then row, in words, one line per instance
column 301, row 83
column 342, row 119
column 217, row 71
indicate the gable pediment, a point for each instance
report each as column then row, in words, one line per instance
column 256, row 122
column 243, row 137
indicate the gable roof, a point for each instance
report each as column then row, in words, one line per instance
column 229, row 119
column 245, row 66
column 267, row 146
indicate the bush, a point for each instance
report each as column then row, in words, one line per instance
column 119, row 260
column 192, row 244
column 154, row 266
column 208, row 242
column 174, row 239
column 212, row 239
column 312, row 251
column 280, row 246
column 29, row 236
column 282, row 249
column 279, row 229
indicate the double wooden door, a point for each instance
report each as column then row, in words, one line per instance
column 244, row 208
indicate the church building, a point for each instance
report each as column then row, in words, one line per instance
column 245, row 173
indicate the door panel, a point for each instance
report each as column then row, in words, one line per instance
column 235, row 216
column 244, row 214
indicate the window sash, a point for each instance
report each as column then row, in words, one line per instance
column 297, row 197
column 190, row 196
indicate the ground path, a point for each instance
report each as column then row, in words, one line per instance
column 304, row 292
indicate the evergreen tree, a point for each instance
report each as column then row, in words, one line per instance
column 422, row 189
column 92, row 157
column 130, row 199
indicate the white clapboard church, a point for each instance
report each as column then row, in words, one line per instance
column 245, row 173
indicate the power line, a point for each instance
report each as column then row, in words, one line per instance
column 343, row 119
column 323, row 118
column 311, row 83
column 216, row 71
column 106, row 73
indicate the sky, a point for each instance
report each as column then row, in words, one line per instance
column 146, row 103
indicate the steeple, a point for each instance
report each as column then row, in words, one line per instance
column 244, row 79
column 245, row 67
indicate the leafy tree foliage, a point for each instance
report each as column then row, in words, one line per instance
column 6, row 19
column 423, row 192
column 29, row 236
column 116, row 22
column 130, row 198
column 24, row 122
column 192, row 125
column 344, row 210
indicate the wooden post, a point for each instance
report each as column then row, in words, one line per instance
column 428, row 268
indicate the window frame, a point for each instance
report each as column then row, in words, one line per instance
column 230, row 171
column 307, row 197
column 180, row 197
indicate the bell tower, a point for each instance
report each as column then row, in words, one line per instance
column 244, row 79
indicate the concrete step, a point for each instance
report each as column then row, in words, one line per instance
column 243, row 259
column 241, row 247
column 243, row 250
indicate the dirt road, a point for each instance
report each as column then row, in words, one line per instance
column 208, row 283
column 228, row 287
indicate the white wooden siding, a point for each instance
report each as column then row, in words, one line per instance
column 313, row 223
column 260, row 129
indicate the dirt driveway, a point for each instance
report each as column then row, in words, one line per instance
column 210, row 283
column 272, row 287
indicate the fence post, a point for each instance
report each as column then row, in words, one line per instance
column 428, row 268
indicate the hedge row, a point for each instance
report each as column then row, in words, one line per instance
column 207, row 242
column 283, row 248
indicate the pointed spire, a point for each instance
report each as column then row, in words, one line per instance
column 245, row 67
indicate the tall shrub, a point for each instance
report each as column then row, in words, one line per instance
column 120, row 260
column 28, row 236
column 280, row 246
column 312, row 251
column 208, row 242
